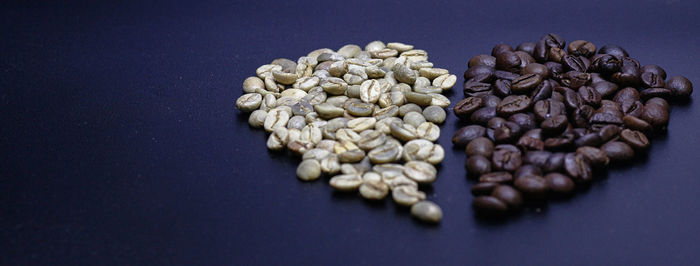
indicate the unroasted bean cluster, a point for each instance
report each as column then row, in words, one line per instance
column 366, row 119
column 547, row 117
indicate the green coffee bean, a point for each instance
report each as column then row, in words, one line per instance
column 278, row 139
column 389, row 111
column 434, row 114
column 414, row 118
column 277, row 117
column 257, row 118
column 370, row 91
column 419, row 98
column 349, row 50
column 328, row 111
column 420, row 171
column 428, row 130
column 386, row 153
column 362, row 123
column 407, row 195
column 309, row 170
column 373, row 189
column 432, row 73
column 445, row 81
column 409, row 107
column 250, row 84
column 427, row 211
column 346, row 182
column 249, row 102
column 417, row 150
column 374, row 46
column 401, row 47
column 403, row 132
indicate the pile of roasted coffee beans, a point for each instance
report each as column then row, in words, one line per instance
column 547, row 117
column 365, row 119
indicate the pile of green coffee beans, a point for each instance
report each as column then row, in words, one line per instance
column 365, row 118
column 548, row 117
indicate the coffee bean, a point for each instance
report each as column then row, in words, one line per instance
column 590, row 139
column 466, row 134
column 679, row 86
column 596, row 157
column 496, row 177
column 476, row 88
column 477, row 165
column 373, row 189
column 528, row 47
column 613, row 50
column 484, row 70
column 501, row 48
column 506, row 157
column 574, row 63
column 483, row 188
column 508, row 195
column 489, row 206
column 637, row 140
column 618, row 151
column 407, row 195
column 309, row 170
column 554, row 125
column 525, row 83
column 581, row 48
column 505, row 75
column 513, row 104
column 559, row 183
column 480, row 146
column 525, row 121
column 578, row 168
column 544, row 109
column 464, row 108
column 656, row 113
column 527, row 170
column 420, row 172
column 635, row 123
column 534, row 187
column 485, row 60
column 427, row 211
column 482, row 115
column 652, row 80
column 655, row 92
column 508, row 61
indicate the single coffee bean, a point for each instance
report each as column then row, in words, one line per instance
column 575, row 79
column 574, row 63
column 581, row 47
column 483, row 115
column 578, row 168
column 654, row 69
column 346, row 182
column 309, row 170
column 637, row 140
column 527, row 170
column 466, row 134
column 479, row 60
column 434, row 114
column 628, row 76
column 655, row 92
column 501, row 88
column 554, row 163
column 538, row 158
column 490, row 100
column 509, row 196
column 513, row 104
column 605, row 88
column 480, row 146
column 614, row 50
column 525, row 83
column 542, row 91
column 427, row 211
column 464, row 108
column 554, row 125
column 420, row 172
column 679, row 86
column 548, row 108
column 528, row 47
column 596, row 157
column 407, row 195
column 534, row 187
column 509, row 132
column 556, row 54
column 477, row 165
column 501, row 48
column 635, row 123
column 530, row 143
column 618, row 151
column 525, row 121
column 559, row 183
column 506, row 158
column 590, row 139
column 476, row 88
column 562, row 142
column 496, row 177
column 508, row 61
column 373, row 189
column 478, row 70
column 483, row 188
column 589, row 96
column 652, row 80
column 656, row 113
column 489, row 206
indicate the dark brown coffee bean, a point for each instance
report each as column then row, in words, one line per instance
column 480, row 146
column 582, row 48
column 496, row 122
column 553, row 40
column 608, row 132
column 578, row 168
column 527, row 170
column 534, row 133
column 534, row 187
column 554, row 125
column 513, row 104
column 483, row 188
column 680, row 86
column 509, row 196
column 612, row 49
column 605, row 88
column 477, row 165
column 466, row 134
column 555, row 69
column 483, row 115
column 505, row 75
column 618, row 151
column 542, row 91
column 489, row 206
column 501, row 88
column 506, row 158
column 541, row 52
column 525, row 121
column 528, row 47
column 633, row 109
column 574, row 63
column 575, row 79
column 606, row 118
column 508, row 61
column 535, row 68
column 556, row 54
column 626, row 95
column 596, row 157
column 525, row 59
column 559, row 183
column 496, row 177
column 482, row 60
column 554, row 163
column 530, row 143
column 590, row 139
column 490, row 100
column 507, row 133
column 476, row 88
column 606, row 64
column 637, row 140
column 635, row 123
column 537, row 158
column 656, row 113
column 589, row 96
column 654, row 69
column 548, row 108
column 562, row 142
column 652, row 80
column 476, row 70
column 525, row 83
column 501, row 48
column 655, row 92
column 464, row 108
column 628, row 76
column 631, row 62
column 581, row 116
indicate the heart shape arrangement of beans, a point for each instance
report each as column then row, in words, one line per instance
column 547, row 117
column 365, row 119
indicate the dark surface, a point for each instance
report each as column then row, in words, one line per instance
column 120, row 142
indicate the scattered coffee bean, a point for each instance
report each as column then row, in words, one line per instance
column 427, row 211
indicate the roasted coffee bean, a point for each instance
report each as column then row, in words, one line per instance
column 464, row 108
column 637, row 140
column 574, row 63
column 483, row 188
column 483, row 114
column 556, row 54
column 605, row 88
column 528, row 47
column 596, row 157
column 655, row 92
column 525, row 121
column 578, row 167
column 477, row 165
column 501, row 88
column 479, row 60
column 679, row 86
column 506, row 158
column 542, row 91
column 575, row 79
column 507, row 133
column 559, row 183
column 525, row 83
column 581, row 47
column 555, row 162
column 505, row 75
column 496, row 177
column 654, row 69
column 555, row 69
column 478, row 70
column 537, row 158
column 466, row 134
column 496, row 122
column 534, row 187
column 508, row 61
column 480, row 146
column 548, row 108
column 501, row 48
column 635, row 123
column 656, row 113
column 476, row 88
column 527, row 170
column 590, row 139
column 530, row 143
column 589, row 96
column 554, row 125
column 535, row 68
column 628, row 76
column 618, row 151
column 508, row 195
column 559, row 143
column 489, row 206
column 513, row 104
column 652, row 80
column 490, row 100
column 613, row 50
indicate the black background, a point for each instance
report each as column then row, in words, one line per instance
column 120, row 142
